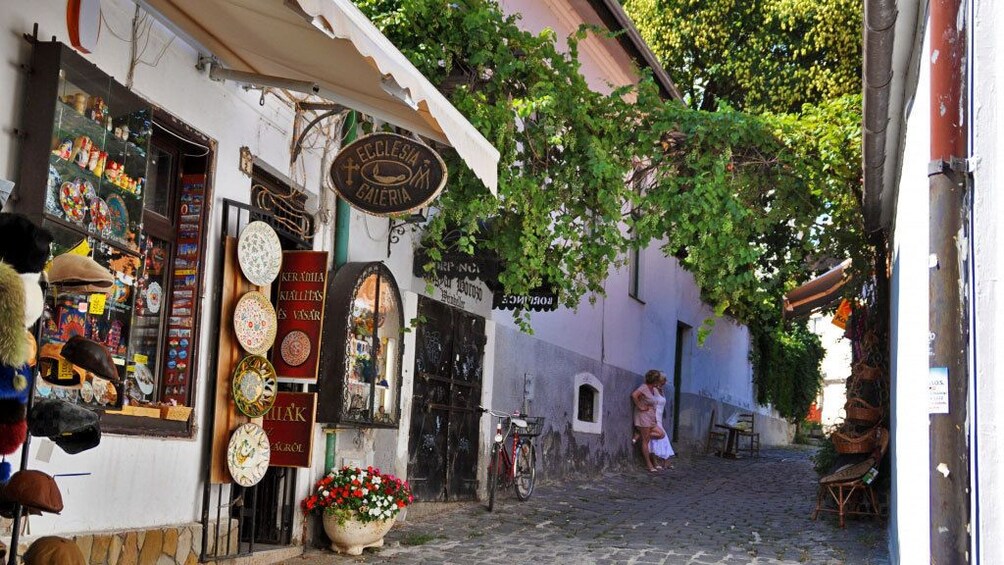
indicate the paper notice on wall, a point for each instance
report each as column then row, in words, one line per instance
column 937, row 390
column 6, row 187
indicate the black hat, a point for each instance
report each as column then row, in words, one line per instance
column 52, row 417
column 71, row 427
column 80, row 440
column 23, row 245
column 90, row 355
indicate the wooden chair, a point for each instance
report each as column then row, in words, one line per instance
column 747, row 421
column 847, row 488
column 716, row 436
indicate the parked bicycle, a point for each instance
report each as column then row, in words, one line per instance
column 514, row 458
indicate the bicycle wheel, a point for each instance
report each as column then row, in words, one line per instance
column 493, row 476
column 526, row 469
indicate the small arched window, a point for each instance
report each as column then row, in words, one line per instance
column 588, row 404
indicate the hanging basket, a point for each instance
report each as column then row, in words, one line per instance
column 867, row 372
column 860, row 411
column 849, row 442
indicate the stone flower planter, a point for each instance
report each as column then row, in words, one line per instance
column 352, row 536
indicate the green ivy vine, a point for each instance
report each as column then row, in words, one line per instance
column 743, row 202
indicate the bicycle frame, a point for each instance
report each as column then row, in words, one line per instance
column 512, row 455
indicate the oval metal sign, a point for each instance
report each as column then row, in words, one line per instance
column 386, row 173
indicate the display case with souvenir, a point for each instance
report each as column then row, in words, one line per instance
column 83, row 170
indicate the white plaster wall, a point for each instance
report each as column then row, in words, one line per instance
column 910, row 505
column 836, row 368
column 135, row 482
column 988, row 309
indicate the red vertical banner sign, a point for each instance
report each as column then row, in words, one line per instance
column 299, row 307
column 289, row 426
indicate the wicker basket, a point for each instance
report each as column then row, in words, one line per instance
column 534, row 425
column 849, row 442
column 867, row 372
column 860, row 411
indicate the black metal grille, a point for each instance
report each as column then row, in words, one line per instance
column 236, row 519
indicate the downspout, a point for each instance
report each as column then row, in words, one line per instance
column 342, row 217
column 879, row 33
column 949, row 283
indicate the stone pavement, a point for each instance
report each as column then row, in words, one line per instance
column 706, row 510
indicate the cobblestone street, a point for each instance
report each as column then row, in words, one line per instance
column 704, row 511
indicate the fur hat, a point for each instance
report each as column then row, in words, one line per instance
column 34, row 300
column 12, row 437
column 13, row 346
column 15, row 382
column 12, row 411
column 23, row 245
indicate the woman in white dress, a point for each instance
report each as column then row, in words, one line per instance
column 661, row 447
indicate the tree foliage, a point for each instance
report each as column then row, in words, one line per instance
column 759, row 55
column 743, row 201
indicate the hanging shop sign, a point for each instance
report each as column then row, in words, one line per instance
column 842, row 314
column 300, row 310
column 386, row 173
column 290, row 428
column 541, row 299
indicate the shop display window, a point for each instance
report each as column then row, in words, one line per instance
column 367, row 312
column 104, row 174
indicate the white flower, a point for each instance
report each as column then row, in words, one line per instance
column 365, row 491
column 376, row 480
column 324, row 493
column 374, row 512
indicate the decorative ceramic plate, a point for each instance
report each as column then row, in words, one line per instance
column 154, row 294
column 118, row 216
column 86, row 392
column 51, row 198
column 99, row 215
column 254, row 386
column 144, row 378
column 100, row 391
column 71, row 199
column 259, row 253
column 254, row 323
column 248, row 454
column 295, row 348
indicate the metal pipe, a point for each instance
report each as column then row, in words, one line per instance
column 949, row 284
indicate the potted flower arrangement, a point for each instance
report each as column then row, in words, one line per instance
column 357, row 506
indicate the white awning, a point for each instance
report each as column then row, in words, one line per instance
column 332, row 45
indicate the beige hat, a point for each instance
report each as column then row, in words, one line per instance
column 54, row 550
column 80, row 274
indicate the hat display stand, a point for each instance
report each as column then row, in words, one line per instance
column 18, row 510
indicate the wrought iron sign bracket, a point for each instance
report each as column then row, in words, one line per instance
column 331, row 109
column 396, row 229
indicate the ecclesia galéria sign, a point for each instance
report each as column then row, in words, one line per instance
column 386, row 173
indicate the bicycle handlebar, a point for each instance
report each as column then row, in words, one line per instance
column 514, row 418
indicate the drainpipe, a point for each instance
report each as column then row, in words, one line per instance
column 949, row 283
column 342, row 214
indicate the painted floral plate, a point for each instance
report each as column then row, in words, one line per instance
column 100, row 218
column 71, row 199
column 254, row 386
column 154, row 297
column 259, row 253
column 295, row 348
column 248, row 454
column 254, row 323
